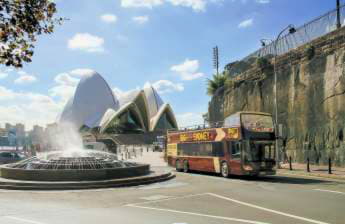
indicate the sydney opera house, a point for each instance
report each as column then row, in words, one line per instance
column 95, row 107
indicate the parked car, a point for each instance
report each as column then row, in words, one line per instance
column 9, row 157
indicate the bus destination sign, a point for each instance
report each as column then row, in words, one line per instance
column 216, row 134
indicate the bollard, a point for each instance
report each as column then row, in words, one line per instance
column 290, row 163
column 329, row 166
column 308, row 167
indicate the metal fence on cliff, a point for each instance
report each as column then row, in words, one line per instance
column 304, row 34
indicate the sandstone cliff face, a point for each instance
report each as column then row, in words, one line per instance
column 311, row 99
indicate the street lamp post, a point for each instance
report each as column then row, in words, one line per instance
column 264, row 43
column 338, row 15
column 291, row 30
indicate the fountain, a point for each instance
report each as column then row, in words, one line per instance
column 76, row 168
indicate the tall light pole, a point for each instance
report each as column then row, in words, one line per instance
column 338, row 14
column 216, row 59
column 291, row 30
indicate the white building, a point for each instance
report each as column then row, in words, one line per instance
column 95, row 106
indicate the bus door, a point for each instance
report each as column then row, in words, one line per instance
column 234, row 150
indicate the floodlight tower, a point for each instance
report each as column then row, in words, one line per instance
column 216, row 59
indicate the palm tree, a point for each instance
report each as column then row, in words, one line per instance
column 218, row 81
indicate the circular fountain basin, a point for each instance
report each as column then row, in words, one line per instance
column 79, row 165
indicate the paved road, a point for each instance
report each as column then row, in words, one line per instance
column 189, row 198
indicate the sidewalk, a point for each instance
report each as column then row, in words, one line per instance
column 315, row 170
column 152, row 158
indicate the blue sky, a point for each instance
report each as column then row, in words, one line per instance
column 167, row 43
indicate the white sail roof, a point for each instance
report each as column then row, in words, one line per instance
column 153, row 99
column 91, row 100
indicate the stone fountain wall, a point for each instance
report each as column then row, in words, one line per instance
column 311, row 98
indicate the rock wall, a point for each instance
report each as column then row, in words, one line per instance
column 311, row 98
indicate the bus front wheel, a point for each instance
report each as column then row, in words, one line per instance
column 225, row 170
column 185, row 166
column 178, row 166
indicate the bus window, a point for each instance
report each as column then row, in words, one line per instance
column 234, row 150
column 217, row 149
column 201, row 149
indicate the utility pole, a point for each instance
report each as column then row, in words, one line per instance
column 338, row 14
column 291, row 30
column 216, row 59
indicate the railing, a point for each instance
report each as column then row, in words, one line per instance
column 304, row 34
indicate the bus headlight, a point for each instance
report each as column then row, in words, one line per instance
column 247, row 168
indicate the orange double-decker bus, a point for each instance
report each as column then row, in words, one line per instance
column 243, row 145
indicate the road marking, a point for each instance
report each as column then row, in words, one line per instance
column 168, row 184
column 212, row 177
column 23, row 220
column 167, row 199
column 155, row 197
column 198, row 214
column 267, row 209
column 337, row 192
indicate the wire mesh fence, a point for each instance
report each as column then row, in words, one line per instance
column 304, row 34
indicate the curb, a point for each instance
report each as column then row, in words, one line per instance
column 86, row 185
column 300, row 173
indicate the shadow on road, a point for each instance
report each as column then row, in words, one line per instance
column 272, row 179
column 287, row 180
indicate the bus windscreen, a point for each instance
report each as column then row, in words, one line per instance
column 257, row 122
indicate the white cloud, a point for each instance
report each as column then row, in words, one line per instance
column 189, row 119
column 62, row 92
column 35, row 108
column 25, row 79
column 166, row 86
column 80, row 72
column 246, row 23
column 196, row 5
column 188, row 70
column 66, row 79
column 263, row 1
column 140, row 3
column 67, row 83
column 3, row 75
column 121, row 93
column 140, row 19
column 162, row 87
column 6, row 94
column 21, row 72
column 118, row 92
column 109, row 18
column 86, row 42
column 27, row 107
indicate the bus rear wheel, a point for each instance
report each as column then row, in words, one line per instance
column 178, row 166
column 185, row 166
column 225, row 170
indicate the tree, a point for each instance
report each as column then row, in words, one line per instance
column 21, row 21
column 219, row 80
